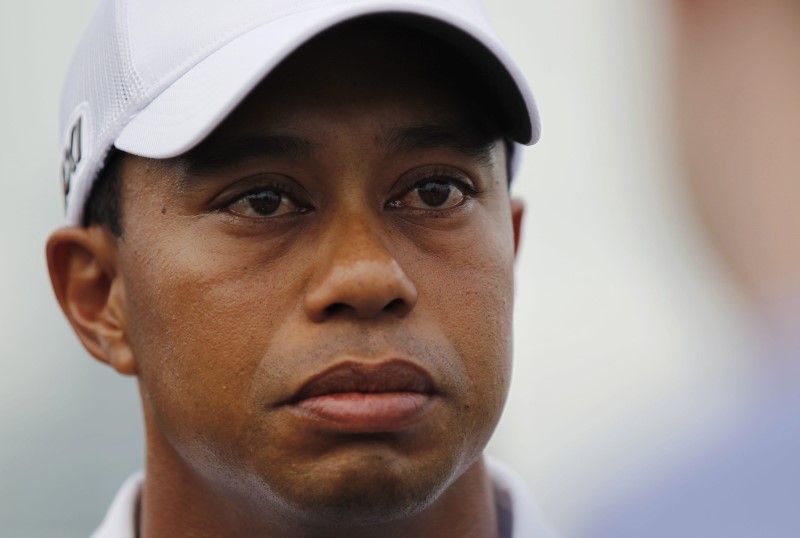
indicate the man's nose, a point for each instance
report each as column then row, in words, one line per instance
column 357, row 275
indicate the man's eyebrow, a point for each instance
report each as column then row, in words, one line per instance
column 220, row 154
column 470, row 142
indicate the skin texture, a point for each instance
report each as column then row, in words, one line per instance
column 224, row 314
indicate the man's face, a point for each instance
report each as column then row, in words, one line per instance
column 319, row 297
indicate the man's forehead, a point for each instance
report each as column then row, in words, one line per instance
column 226, row 149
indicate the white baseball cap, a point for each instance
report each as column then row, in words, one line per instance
column 155, row 77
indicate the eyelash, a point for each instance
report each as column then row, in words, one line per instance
column 261, row 187
column 445, row 177
column 439, row 175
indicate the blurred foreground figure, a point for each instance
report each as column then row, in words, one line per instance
column 738, row 90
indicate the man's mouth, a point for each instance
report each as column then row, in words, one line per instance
column 363, row 397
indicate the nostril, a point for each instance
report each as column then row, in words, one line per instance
column 397, row 306
column 336, row 308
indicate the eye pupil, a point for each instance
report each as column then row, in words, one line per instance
column 265, row 202
column 434, row 193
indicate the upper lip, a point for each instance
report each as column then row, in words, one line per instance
column 395, row 375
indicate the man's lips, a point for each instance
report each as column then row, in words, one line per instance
column 366, row 397
column 390, row 376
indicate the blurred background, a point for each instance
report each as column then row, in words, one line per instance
column 632, row 344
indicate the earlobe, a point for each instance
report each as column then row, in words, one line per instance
column 83, row 270
column 517, row 211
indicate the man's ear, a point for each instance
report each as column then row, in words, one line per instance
column 89, row 288
column 517, row 210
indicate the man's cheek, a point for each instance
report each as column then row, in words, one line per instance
column 192, row 325
column 475, row 314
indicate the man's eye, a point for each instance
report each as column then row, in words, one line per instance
column 263, row 203
column 438, row 194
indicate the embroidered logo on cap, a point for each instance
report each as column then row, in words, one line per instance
column 72, row 154
column 74, row 148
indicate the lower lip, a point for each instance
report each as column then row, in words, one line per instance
column 367, row 412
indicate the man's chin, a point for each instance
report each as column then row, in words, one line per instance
column 365, row 491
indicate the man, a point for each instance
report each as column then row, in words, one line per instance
column 291, row 221
column 738, row 82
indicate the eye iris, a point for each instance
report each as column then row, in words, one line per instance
column 265, row 202
column 434, row 194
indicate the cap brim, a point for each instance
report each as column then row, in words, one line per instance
column 188, row 110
